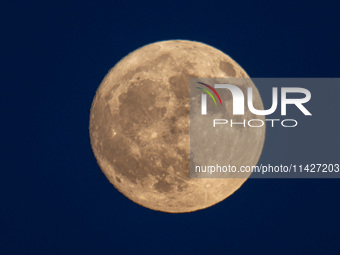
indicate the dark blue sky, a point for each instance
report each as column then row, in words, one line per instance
column 54, row 198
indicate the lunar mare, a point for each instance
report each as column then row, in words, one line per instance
column 140, row 126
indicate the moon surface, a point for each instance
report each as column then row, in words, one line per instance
column 140, row 127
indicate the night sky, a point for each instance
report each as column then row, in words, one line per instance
column 54, row 197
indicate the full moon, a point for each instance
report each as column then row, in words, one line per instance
column 140, row 127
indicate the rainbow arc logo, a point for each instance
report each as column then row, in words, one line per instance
column 209, row 93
